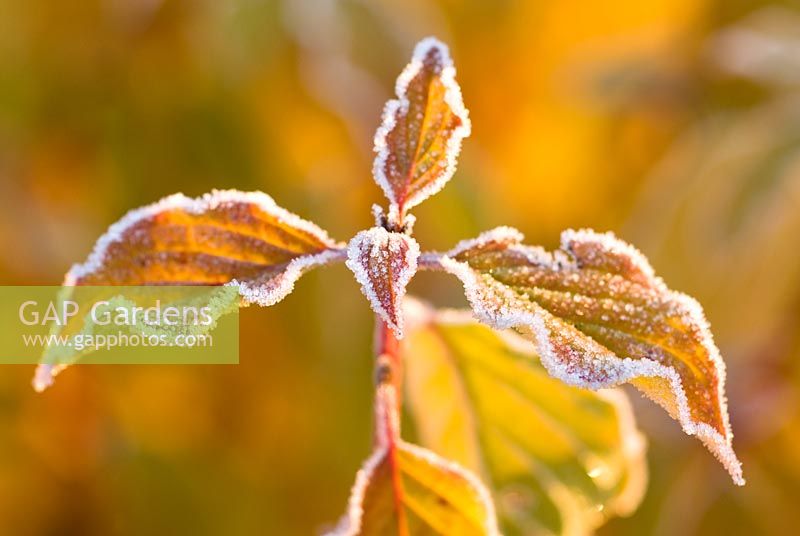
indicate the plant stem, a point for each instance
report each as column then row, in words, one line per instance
column 388, row 365
column 389, row 371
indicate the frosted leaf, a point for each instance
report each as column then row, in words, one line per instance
column 405, row 489
column 383, row 263
column 420, row 136
column 212, row 239
column 225, row 237
column 600, row 317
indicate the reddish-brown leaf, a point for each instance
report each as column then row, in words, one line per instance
column 384, row 262
column 421, row 131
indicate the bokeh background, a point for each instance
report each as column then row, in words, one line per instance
column 675, row 123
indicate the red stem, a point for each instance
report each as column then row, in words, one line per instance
column 389, row 369
column 389, row 363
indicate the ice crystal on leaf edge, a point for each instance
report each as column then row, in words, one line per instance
column 384, row 262
column 501, row 308
column 191, row 205
column 262, row 292
column 452, row 98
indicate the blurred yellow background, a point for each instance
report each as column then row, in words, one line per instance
column 675, row 123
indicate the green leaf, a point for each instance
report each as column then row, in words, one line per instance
column 557, row 459
column 216, row 301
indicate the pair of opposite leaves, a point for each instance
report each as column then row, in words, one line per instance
column 594, row 309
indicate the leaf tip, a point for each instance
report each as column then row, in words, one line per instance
column 722, row 449
column 45, row 376
column 433, row 53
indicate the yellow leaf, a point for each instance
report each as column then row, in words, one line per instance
column 557, row 459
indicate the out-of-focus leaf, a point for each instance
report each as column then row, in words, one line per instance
column 225, row 237
column 407, row 490
column 764, row 46
column 557, row 459
column 728, row 192
column 600, row 317
column 421, row 131
column 216, row 302
column 384, row 262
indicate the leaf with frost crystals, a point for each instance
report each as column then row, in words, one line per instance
column 600, row 317
column 407, row 490
column 242, row 239
column 421, row 131
column 557, row 459
column 384, row 262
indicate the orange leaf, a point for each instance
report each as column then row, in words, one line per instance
column 384, row 262
column 421, row 131
column 600, row 317
column 223, row 237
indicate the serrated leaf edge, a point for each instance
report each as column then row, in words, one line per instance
column 375, row 237
column 197, row 205
column 625, row 369
column 453, row 99
column 252, row 292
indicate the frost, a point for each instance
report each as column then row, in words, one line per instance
column 383, row 263
column 271, row 248
column 199, row 205
column 271, row 289
column 499, row 236
column 393, row 169
column 449, row 466
column 350, row 524
column 387, row 429
column 599, row 288
column 268, row 288
column 604, row 250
